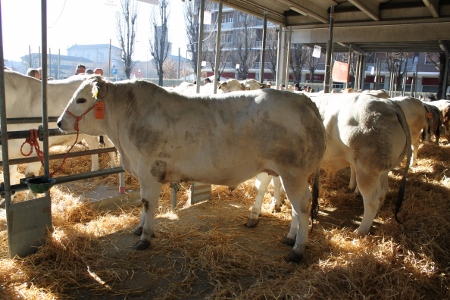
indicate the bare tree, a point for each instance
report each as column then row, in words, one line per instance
column 311, row 63
column 245, row 43
column 210, row 53
column 126, row 33
column 271, row 49
column 439, row 60
column 170, row 68
column 397, row 63
column 159, row 43
column 191, row 14
column 299, row 55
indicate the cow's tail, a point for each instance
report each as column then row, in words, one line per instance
column 402, row 188
column 427, row 131
column 315, row 197
column 437, row 134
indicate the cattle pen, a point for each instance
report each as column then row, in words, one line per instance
column 204, row 251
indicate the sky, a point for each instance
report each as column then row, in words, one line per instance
column 71, row 22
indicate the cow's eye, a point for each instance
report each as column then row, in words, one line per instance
column 81, row 100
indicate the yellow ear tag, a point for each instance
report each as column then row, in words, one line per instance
column 100, row 110
column 95, row 93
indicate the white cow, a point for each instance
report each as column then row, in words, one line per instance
column 23, row 100
column 164, row 136
column 444, row 107
column 416, row 116
column 187, row 88
column 232, row 85
column 434, row 123
column 370, row 135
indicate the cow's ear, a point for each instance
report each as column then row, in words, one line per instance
column 99, row 88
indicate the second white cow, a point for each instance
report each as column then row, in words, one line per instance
column 370, row 135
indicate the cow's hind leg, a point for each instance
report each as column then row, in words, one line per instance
column 298, row 192
column 278, row 194
column 261, row 183
column 373, row 190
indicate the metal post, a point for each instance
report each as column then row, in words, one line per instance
column 288, row 58
column 357, row 75
column 29, row 56
column 109, row 61
column 44, row 87
column 263, row 49
column 59, row 64
column 50, row 64
column 179, row 63
column 350, row 51
column 362, row 72
column 279, row 54
column 444, row 88
column 4, row 137
column 200, row 44
column 326, row 82
column 218, row 40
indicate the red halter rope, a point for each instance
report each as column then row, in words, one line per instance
column 34, row 144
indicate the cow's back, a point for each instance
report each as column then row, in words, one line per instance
column 362, row 127
column 279, row 129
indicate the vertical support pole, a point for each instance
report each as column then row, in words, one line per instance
column 29, row 56
column 4, row 137
column 59, row 64
column 378, row 74
column 218, row 42
column 44, row 87
column 288, row 57
column 109, row 61
column 444, row 83
column 50, row 64
column 358, row 62
column 279, row 55
column 362, row 73
column 179, row 63
column 326, row 82
column 350, row 52
column 200, row 44
column 263, row 49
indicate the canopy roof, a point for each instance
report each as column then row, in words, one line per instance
column 365, row 25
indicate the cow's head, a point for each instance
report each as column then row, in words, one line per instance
column 85, row 111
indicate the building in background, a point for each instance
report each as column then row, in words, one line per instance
column 62, row 66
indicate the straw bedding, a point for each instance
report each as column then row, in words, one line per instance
column 203, row 251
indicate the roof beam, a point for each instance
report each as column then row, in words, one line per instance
column 369, row 7
column 308, row 9
column 254, row 9
column 433, row 7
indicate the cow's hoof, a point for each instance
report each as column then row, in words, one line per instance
column 138, row 231
column 288, row 241
column 294, row 257
column 141, row 245
column 276, row 209
column 251, row 223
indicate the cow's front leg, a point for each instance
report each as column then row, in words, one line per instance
column 140, row 228
column 150, row 191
